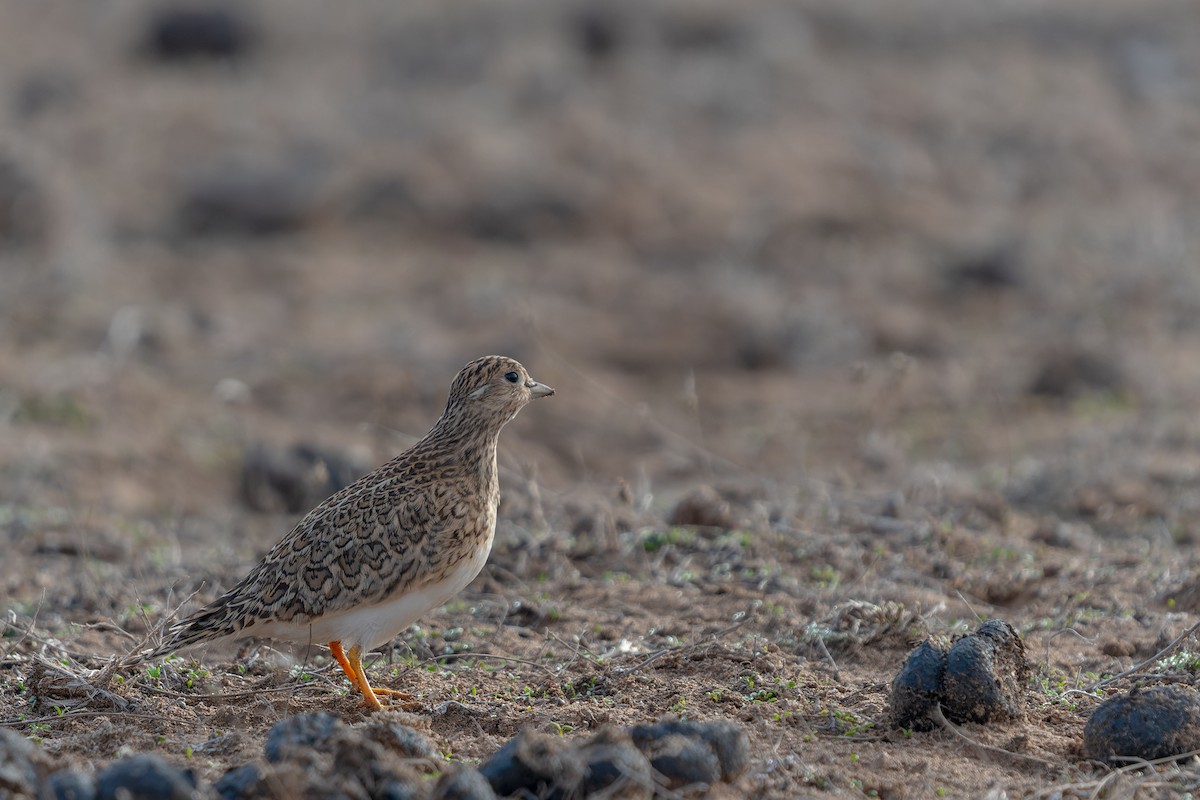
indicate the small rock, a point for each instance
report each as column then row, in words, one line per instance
column 298, row 733
column 197, row 33
column 992, row 268
column 18, row 775
column 696, row 28
column 464, row 783
column 43, row 91
column 295, row 479
column 68, row 784
column 401, row 739
column 615, row 767
column 1065, row 374
column 536, row 763
column 986, row 675
column 1118, row 648
column 398, row 789
column 24, row 212
column 917, row 688
column 83, row 542
column 241, row 783
column 1145, row 724
column 598, row 29
column 248, row 200
column 1064, row 535
column 518, row 213
column 728, row 742
column 702, row 506
column 145, row 776
column 684, row 761
column 387, row 199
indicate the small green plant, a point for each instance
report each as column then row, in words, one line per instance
column 847, row 723
column 584, row 687
column 1183, row 661
column 654, row 541
column 195, row 676
column 825, row 576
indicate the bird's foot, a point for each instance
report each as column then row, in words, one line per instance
column 395, row 701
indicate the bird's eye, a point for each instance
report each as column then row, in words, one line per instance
column 512, row 377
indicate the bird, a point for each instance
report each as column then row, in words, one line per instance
column 374, row 557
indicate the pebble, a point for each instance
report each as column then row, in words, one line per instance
column 702, row 506
column 68, row 784
column 299, row 732
column 728, row 742
column 229, row 201
column 145, row 776
column 534, row 762
column 293, row 479
column 615, row 767
column 190, row 34
column 17, row 772
column 399, row 790
column 317, row 755
column 684, row 761
column 401, row 739
column 240, row 783
column 464, row 783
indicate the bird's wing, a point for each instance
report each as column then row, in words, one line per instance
column 358, row 547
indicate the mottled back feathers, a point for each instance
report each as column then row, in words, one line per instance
column 395, row 530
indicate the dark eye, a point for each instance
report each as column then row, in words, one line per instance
column 512, row 377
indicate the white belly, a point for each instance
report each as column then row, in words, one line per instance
column 370, row 626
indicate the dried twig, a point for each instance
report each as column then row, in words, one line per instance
column 1096, row 787
column 1136, row 668
column 946, row 724
column 680, row 649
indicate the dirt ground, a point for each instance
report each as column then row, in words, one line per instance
column 899, row 301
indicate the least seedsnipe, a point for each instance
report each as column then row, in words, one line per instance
column 370, row 560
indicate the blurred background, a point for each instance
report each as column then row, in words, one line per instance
column 857, row 244
column 896, row 303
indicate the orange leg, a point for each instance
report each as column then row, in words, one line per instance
column 340, row 655
column 352, row 665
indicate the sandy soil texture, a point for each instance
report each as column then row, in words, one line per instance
column 868, row 322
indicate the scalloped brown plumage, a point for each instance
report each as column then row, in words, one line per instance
column 371, row 559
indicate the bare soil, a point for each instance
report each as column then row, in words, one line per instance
column 868, row 322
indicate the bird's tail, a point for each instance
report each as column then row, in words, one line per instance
column 203, row 626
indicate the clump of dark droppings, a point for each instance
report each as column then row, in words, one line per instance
column 981, row 678
column 917, row 688
column 1145, row 724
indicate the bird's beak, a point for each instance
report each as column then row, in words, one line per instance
column 538, row 389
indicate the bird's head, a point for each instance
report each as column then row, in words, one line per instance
column 494, row 388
